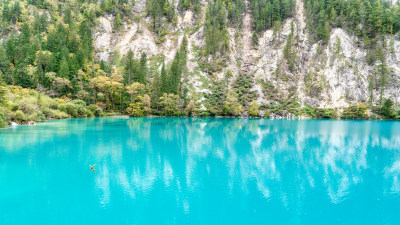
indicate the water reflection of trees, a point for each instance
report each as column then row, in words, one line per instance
column 277, row 158
column 281, row 158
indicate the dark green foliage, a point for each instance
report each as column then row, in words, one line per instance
column 270, row 91
column 135, row 70
column 280, row 104
column 11, row 11
column 96, row 111
column 3, row 120
column 142, row 77
column 217, row 37
column 288, row 51
column 323, row 26
column 64, row 69
column 67, row 16
column 366, row 18
column 155, row 91
column 27, row 57
column 387, row 109
column 266, row 13
column 3, row 92
column 130, row 68
column 80, row 107
column 284, row 106
column 254, row 40
column 77, row 108
column 235, row 10
column 355, row 112
column 5, row 67
column 321, row 113
column 85, row 33
column 157, row 10
column 178, row 69
column 170, row 81
column 117, row 22
column 194, row 5
column 164, row 80
column 242, row 86
column 382, row 73
column 216, row 99
column 40, row 24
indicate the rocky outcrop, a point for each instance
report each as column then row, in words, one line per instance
column 329, row 75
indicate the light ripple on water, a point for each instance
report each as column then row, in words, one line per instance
column 200, row 171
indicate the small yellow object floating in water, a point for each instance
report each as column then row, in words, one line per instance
column 92, row 167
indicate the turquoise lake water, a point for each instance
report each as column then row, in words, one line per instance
column 194, row 171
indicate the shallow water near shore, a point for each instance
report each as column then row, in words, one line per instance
column 200, row 171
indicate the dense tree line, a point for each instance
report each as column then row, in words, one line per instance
column 368, row 19
column 194, row 5
column 34, row 59
column 167, row 89
column 53, row 53
column 45, row 50
column 266, row 13
column 216, row 32
column 161, row 10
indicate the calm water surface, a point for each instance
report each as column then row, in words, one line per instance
column 200, row 171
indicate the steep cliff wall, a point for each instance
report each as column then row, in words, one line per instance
column 335, row 74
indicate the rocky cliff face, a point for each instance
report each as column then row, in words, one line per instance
column 329, row 75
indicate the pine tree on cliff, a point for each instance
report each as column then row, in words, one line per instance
column 129, row 68
column 323, row 27
column 143, row 69
column 117, row 22
column 164, row 80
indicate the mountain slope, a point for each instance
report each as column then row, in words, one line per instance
column 335, row 74
column 250, row 58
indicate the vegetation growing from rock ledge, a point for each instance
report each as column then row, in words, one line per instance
column 242, row 86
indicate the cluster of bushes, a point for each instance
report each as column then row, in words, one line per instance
column 3, row 120
column 242, row 87
column 320, row 113
column 78, row 108
column 22, row 105
column 355, row 112
column 387, row 111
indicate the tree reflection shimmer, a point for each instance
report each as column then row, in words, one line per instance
column 201, row 171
